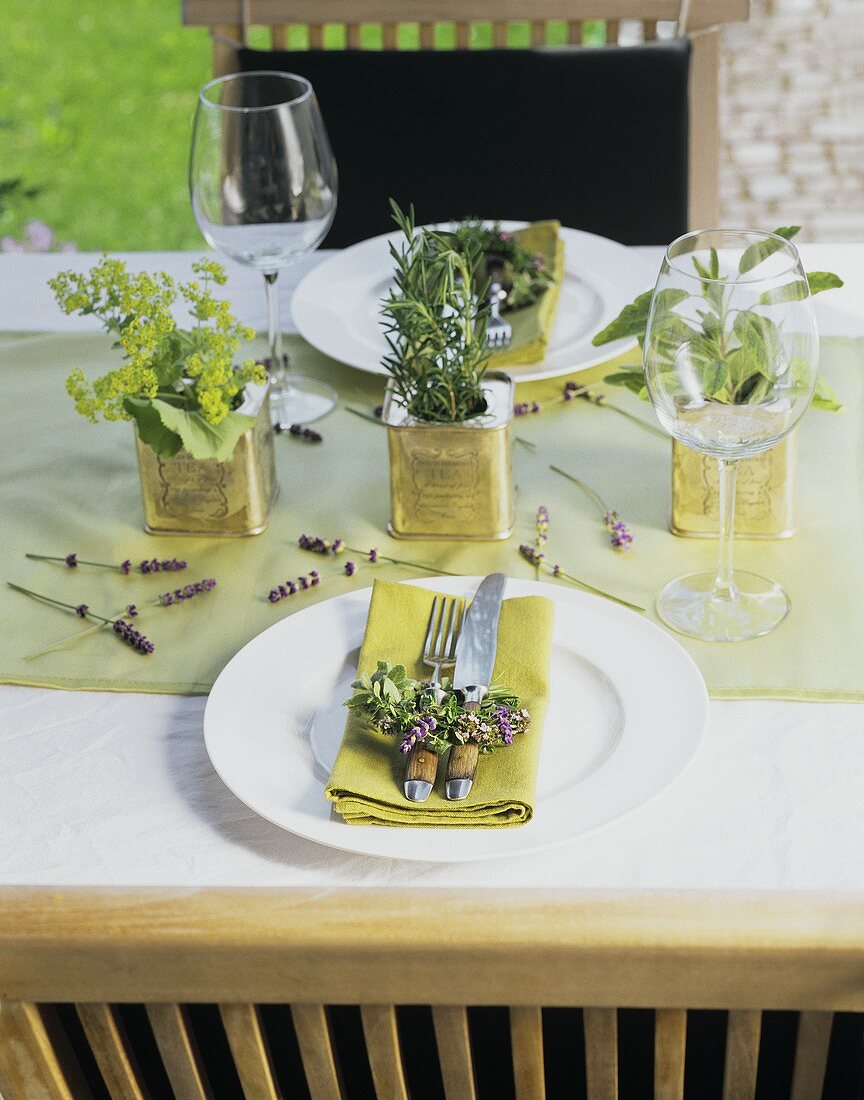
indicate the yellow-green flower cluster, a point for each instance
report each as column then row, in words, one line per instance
column 192, row 368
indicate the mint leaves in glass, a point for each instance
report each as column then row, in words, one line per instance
column 263, row 183
column 731, row 357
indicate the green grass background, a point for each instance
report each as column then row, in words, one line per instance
column 96, row 105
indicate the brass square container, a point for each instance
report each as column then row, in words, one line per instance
column 764, row 496
column 453, row 481
column 183, row 495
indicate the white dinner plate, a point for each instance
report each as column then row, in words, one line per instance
column 336, row 307
column 627, row 711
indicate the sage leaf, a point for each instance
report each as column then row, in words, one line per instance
column 824, row 396
column 714, row 377
column 632, row 380
column 761, row 338
column 200, row 438
column 761, row 250
column 631, row 321
column 151, row 429
column 823, row 280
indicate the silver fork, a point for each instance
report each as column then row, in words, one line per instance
column 499, row 332
column 439, row 651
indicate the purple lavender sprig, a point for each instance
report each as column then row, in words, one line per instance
column 187, row 592
column 336, row 546
column 538, row 559
column 153, row 565
column 320, row 546
column 621, row 538
column 417, row 732
column 121, row 628
column 291, row 588
column 297, row 431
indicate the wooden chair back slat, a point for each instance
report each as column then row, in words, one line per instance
column 670, row 1043
column 649, row 30
column 526, row 1039
column 574, row 32
column 391, row 36
column 463, row 36
column 117, row 1062
column 742, row 1055
column 454, row 1051
column 811, row 1055
column 538, row 33
column 316, row 36
column 612, row 28
column 250, row 1051
column 427, row 36
column 35, row 1059
column 178, row 1048
column 499, row 35
column 316, row 1051
column 385, row 1055
column 601, row 1053
column 279, row 36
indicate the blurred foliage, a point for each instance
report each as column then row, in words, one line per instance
column 96, row 104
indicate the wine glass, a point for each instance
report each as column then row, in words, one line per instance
column 731, row 355
column 263, row 184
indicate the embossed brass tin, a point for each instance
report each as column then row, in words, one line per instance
column 187, row 496
column 764, row 497
column 453, row 481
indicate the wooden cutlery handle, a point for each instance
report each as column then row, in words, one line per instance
column 463, row 761
column 421, row 764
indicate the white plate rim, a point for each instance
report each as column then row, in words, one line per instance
column 335, row 341
column 493, row 843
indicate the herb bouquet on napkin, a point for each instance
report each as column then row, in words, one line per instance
column 391, row 710
column 532, row 264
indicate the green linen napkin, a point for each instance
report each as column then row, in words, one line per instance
column 366, row 784
column 532, row 325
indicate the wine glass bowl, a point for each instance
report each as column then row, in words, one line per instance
column 731, row 357
column 263, row 185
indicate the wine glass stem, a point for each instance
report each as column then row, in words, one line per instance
column 274, row 332
column 724, row 583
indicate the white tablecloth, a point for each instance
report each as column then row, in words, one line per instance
column 100, row 789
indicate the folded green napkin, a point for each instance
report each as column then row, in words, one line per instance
column 532, row 325
column 366, row 784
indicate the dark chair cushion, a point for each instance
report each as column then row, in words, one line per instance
column 596, row 137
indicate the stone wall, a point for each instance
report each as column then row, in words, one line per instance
column 792, row 118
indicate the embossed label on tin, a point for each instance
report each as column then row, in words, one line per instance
column 193, row 488
column 444, row 483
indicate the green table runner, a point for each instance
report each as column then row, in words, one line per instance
column 71, row 486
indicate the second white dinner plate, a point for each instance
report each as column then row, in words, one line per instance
column 337, row 306
column 628, row 709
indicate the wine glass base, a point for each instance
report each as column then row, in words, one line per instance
column 300, row 401
column 757, row 607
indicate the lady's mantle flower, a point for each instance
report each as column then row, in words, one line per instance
column 418, row 731
column 291, row 588
column 180, row 595
column 132, row 637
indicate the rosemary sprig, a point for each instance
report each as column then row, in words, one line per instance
column 435, row 326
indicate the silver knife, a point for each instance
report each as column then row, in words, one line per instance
column 475, row 659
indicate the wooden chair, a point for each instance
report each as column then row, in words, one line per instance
column 230, row 22
column 313, row 950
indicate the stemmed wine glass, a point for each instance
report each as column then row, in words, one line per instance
column 731, row 356
column 263, row 183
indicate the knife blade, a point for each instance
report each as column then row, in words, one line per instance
column 475, row 659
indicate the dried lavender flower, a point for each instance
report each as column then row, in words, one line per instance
column 81, row 610
column 318, row 545
column 180, row 595
column 132, row 637
column 350, row 568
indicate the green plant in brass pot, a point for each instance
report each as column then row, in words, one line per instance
column 734, row 343
column 448, row 418
column 204, row 448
